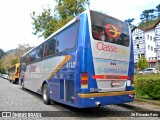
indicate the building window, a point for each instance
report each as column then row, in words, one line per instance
column 136, row 37
column 142, row 54
column 138, row 46
column 140, row 35
column 151, row 48
column 154, row 49
column 158, row 31
column 147, row 36
column 138, row 55
column 148, row 47
column 154, row 39
column 151, row 38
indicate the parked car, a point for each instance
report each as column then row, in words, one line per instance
column 149, row 71
column 5, row 76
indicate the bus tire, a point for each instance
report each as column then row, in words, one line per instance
column 45, row 94
column 13, row 81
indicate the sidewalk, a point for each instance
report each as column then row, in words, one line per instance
column 144, row 105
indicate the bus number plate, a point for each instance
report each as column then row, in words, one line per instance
column 115, row 83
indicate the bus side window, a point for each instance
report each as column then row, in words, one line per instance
column 27, row 59
column 39, row 53
column 52, row 46
column 67, row 38
column 46, row 52
column 33, row 55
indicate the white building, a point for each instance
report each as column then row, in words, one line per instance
column 157, row 37
column 138, row 42
column 146, row 41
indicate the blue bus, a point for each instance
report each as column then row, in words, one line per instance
column 89, row 62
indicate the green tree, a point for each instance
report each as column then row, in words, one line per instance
column 67, row 9
column 158, row 10
column 46, row 22
column 12, row 58
column 143, row 63
column 129, row 21
column 14, row 61
column 1, row 53
column 147, row 15
column 21, row 49
column 2, row 70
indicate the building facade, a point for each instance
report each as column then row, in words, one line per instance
column 157, row 38
column 147, row 42
column 139, row 42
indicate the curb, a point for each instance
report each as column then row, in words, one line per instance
column 154, row 102
column 138, row 105
column 133, row 107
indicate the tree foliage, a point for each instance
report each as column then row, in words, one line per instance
column 70, row 8
column 13, row 61
column 2, row 70
column 158, row 10
column 129, row 21
column 143, row 63
column 47, row 22
column 1, row 53
column 10, row 59
column 147, row 15
column 44, row 23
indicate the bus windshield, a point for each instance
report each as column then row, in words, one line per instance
column 109, row 29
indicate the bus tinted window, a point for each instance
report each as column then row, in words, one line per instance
column 12, row 69
column 39, row 53
column 33, row 55
column 52, row 46
column 67, row 38
column 46, row 51
column 108, row 29
column 27, row 59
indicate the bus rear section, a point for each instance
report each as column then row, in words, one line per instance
column 14, row 73
column 107, row 75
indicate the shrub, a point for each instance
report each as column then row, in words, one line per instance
column 147, row 86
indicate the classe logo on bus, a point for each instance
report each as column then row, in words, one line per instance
column 112, row 31
column 110, row 48
column 104, row 47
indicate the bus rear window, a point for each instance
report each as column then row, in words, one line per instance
column 109, row 29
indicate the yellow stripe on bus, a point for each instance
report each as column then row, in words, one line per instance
column 90, row 95
column 67, row 57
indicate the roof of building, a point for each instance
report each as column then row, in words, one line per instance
column 147, row 28
column 135, row 28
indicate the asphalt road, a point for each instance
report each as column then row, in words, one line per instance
column 13, row 98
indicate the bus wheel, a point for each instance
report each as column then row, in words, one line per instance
column 13, row 81
column 45, row 94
